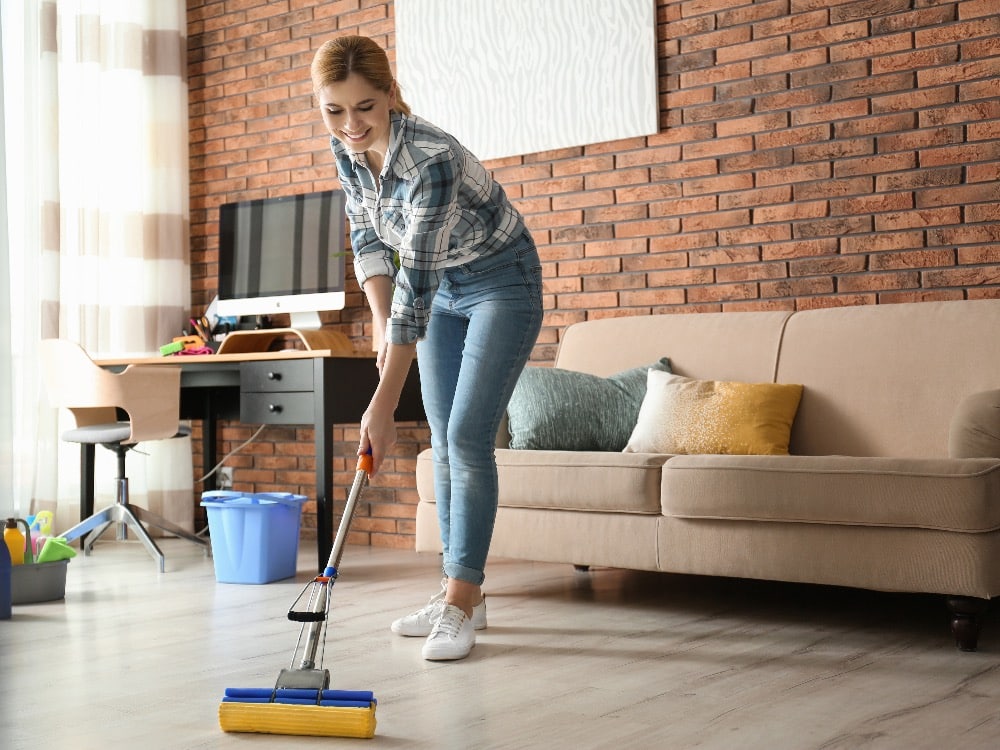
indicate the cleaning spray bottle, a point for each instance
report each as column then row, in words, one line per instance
column 14, row 541
column 40, row 527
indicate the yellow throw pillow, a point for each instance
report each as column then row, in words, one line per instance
column 684, row 415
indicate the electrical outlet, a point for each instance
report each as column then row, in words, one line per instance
column 225, row 481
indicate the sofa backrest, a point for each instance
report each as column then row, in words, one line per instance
column 880, row 380
column 885, row 380
column 719, row 346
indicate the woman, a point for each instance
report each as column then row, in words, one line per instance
column 452, row 275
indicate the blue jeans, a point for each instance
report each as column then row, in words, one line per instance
column 484, row 321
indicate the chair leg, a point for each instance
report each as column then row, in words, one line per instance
column 87, row 451
column 126, row 516
column 99, row 521
column 129, row 519
column 152, row 519
column 89, row 539
column 121, row 515
column 121, row 499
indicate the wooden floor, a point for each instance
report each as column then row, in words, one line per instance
column 604, row 659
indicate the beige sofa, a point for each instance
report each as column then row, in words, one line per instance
column 871, row 495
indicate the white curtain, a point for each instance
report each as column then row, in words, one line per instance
column 97, row 156
column 7, row 483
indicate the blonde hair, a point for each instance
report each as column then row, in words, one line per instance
column 337, row 58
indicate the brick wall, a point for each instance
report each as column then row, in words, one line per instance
column 811, row 153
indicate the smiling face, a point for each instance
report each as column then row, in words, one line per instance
column 357, row 114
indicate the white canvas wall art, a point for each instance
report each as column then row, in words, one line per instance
column 510, row 77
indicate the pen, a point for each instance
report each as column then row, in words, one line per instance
column 199, row 330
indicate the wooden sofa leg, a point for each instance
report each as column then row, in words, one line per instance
column 965, row 620
column 581, row 568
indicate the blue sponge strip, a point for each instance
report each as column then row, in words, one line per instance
column 295, row 696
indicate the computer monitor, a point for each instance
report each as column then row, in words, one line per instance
column 282, row 255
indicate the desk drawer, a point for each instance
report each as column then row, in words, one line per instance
column 277, row 408
column 293, row 375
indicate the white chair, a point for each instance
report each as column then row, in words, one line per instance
column 150, row 398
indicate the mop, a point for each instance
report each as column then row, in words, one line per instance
column 301, row 702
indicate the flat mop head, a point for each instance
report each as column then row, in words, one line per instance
column 324, row 713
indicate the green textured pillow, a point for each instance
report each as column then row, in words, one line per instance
column 555, row 409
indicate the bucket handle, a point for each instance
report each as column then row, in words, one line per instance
column 220, row 497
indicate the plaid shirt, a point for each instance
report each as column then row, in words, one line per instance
column 435, row 207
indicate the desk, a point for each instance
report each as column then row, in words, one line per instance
column 318, row 388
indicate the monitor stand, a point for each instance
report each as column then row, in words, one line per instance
column 244, row 342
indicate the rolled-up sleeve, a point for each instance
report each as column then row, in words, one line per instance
column 372, row 257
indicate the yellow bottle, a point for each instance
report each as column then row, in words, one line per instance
column 15, row 541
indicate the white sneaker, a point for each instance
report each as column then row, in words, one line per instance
column 452, row 638
column 420, row 623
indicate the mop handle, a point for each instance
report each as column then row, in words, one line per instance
column 360, row 479
column 319, row 604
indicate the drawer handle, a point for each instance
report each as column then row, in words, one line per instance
column 274, row 376
column 274, row 408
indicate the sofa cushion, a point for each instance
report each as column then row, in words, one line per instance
column 935, row 493
column 581, row 480
column 556, row 409
column 975, row 429
column 685, row 415
column 569, row 480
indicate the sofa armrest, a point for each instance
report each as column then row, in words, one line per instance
column 975, row 427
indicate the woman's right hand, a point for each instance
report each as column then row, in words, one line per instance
column 378, row 423
column 378, row 433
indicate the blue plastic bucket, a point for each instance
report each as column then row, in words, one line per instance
column 255, row 536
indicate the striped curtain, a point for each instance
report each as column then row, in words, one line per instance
column 105, row 221
column 7, row 451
